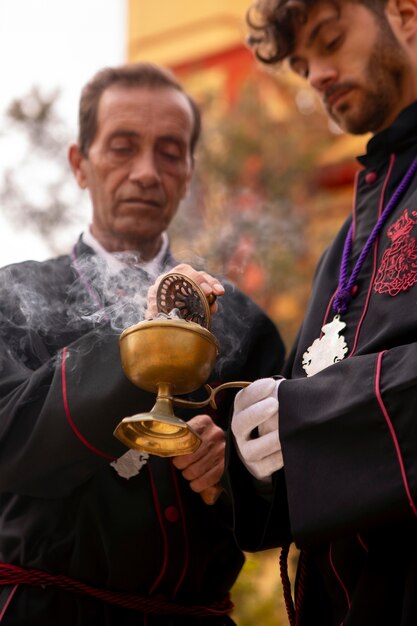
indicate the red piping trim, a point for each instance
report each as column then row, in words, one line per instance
column 68, row 413
column 9, row 599
column 355, row 189
column 371, row 284
column 362, row 543
column 184, row 528
column 392, row 431
column 338, row 577
column 163, row 531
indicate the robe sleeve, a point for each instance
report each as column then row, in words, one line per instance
column 57, row 418
column 349, row 440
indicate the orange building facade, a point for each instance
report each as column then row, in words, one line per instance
column 202, row 42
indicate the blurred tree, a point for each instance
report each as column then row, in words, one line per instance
column 255, row 197
column 37, row 191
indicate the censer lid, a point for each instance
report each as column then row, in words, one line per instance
column 177, row 291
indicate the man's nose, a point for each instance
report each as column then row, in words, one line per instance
column 144, row 169
column 321, row 75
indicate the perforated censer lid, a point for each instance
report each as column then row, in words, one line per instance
column 177, row 291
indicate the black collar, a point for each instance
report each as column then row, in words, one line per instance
column 399, row 136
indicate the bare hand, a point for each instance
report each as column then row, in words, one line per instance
column 204, row 468
column 207, row 283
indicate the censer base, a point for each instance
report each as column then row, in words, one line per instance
column 164, row 437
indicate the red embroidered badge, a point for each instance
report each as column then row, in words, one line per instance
column 398, row 269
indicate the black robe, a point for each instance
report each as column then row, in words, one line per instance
column 347, row 494
column 64, row 508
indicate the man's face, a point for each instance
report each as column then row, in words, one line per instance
column 138, row 166
column 355, row 64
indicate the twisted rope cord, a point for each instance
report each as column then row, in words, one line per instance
column 301, row 585
column 294, row 610
column 286, row 584
column 13, row 574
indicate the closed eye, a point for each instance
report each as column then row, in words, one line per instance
column 171, row 156
column 121, row 149
column 333, row 44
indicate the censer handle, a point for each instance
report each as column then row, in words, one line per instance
column 210, row 400
column 211, row 494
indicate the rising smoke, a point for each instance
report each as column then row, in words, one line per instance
column 46, row 306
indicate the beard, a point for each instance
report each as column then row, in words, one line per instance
column 381, row 89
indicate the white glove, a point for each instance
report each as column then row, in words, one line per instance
column 256, row 407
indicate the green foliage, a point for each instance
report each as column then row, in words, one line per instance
column 257, row 594
column 257, row 600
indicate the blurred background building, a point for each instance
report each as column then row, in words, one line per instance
column 202, row 42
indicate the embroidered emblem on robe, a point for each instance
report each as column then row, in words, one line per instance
column 398, row 269
column 130, row 463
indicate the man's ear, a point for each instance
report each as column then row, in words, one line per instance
column 402, row 15
column 77, row 163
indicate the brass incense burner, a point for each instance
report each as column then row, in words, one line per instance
column 172, row 354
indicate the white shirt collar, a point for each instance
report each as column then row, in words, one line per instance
column 115, row 262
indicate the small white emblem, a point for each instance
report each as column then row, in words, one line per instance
column 327, row 350
column 130, row 463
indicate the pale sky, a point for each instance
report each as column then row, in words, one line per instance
column 53, row 44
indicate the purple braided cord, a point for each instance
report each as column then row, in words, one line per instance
column 344, row 291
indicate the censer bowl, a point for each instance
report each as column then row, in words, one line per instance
column 171, row 351
column 167, row 356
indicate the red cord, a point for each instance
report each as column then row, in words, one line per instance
column 293, row 611
column 286, row 584
column 301, row 585
column 13, row 574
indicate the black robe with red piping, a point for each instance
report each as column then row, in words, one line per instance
column 347, row 495
column 64, row 509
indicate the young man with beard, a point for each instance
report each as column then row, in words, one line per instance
column 92, row 533
column 337, row 436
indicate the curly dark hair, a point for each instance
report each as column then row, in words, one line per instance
column 273, row 24
column 144, row 74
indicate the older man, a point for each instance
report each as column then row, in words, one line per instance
column 92, row 533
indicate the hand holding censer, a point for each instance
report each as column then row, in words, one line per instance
column 171, row 354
